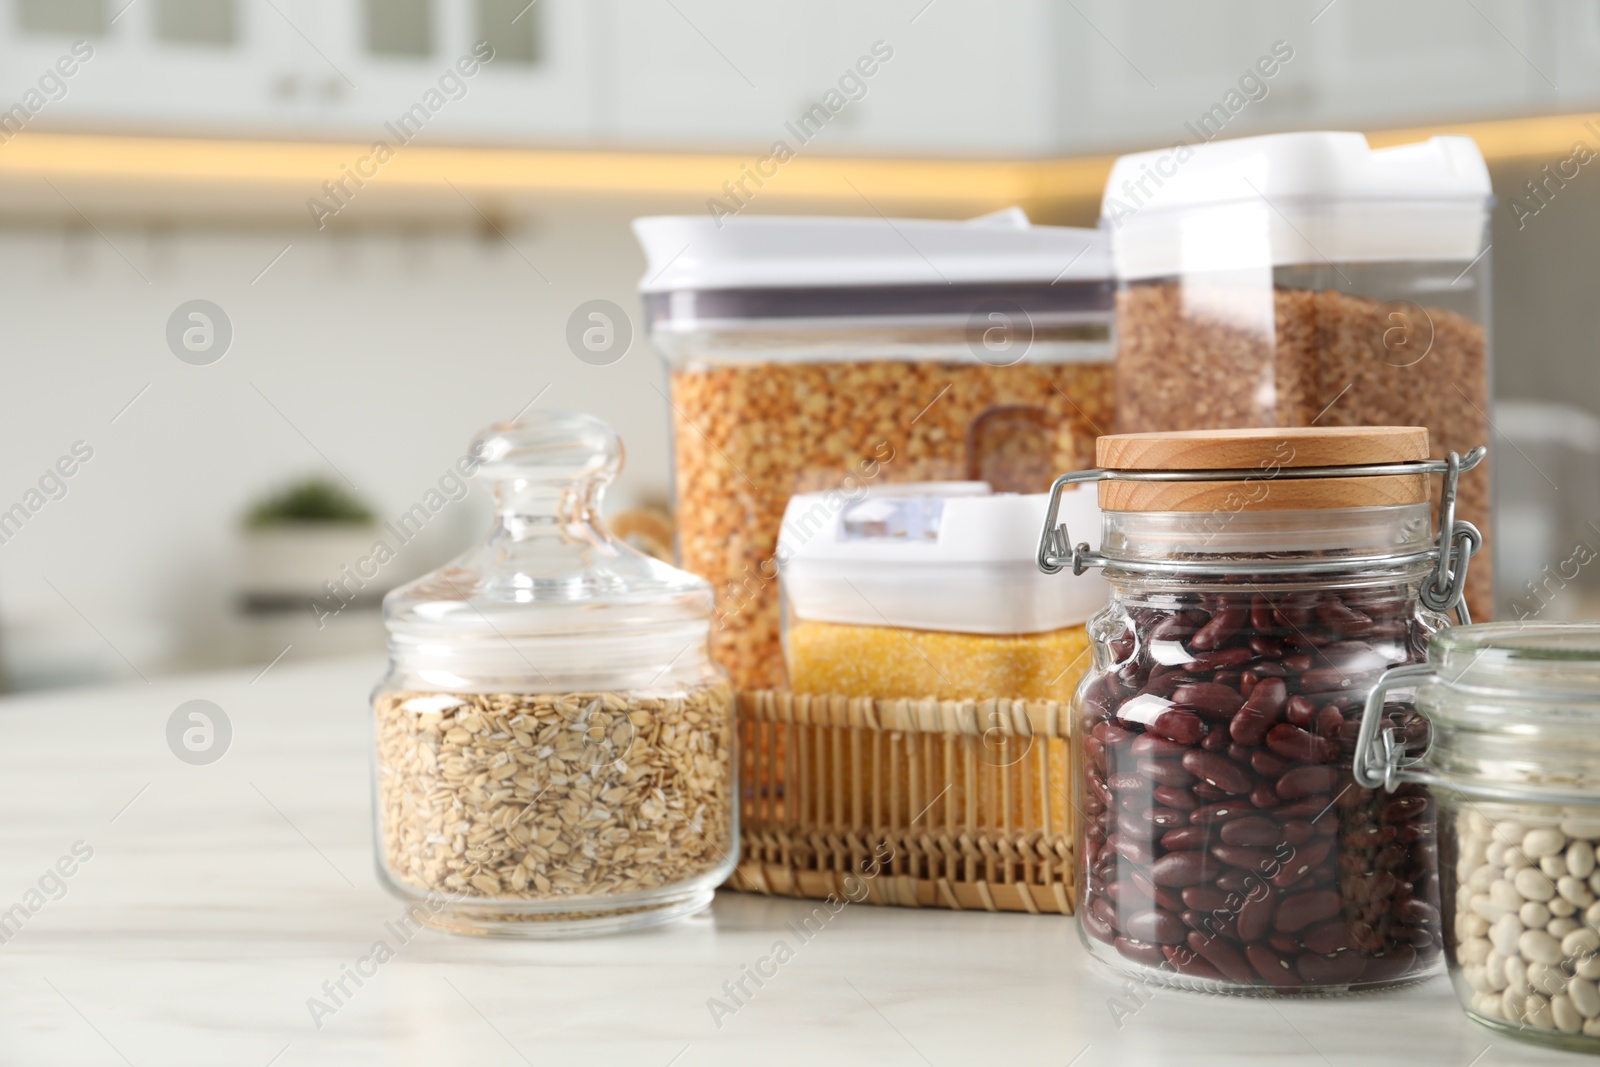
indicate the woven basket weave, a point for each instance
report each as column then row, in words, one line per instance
column 972, row 797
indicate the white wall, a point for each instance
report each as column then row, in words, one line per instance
column 388, row 353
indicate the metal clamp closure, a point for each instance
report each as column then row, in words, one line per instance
column 1457, row 542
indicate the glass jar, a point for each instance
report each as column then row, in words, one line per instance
column 1303, row 279
column 554, row 747
column 1261, row 581
column 827, row 354
column 1514, row 763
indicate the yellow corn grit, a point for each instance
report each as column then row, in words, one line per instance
column 888, row 662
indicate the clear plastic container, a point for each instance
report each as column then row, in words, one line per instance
column 1306, row 279
column 554, row 746
column 931, row 591
column 1224, row 845
column 1513, row 761
column 816, row 354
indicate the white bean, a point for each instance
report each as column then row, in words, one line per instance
column 1532, row 884
column 1508, row 895
column 1547, row 978
column 1516, row 859
column 1481, row 904
column 1561, row 907
column 1540, row 946
column 1533, row 914
column 1586, row 829
column 1589, row 967
column 1592, row 916
column 1538, row 1012
column 1477, row 950
column 1580, row 859
column 1566, row 1016
column 1579, row 941
column 1516, row 975
column 1585, row 997
column 1504, row 934
column 1575, row 890
column 1553, row 866
column 1545, row 841
column 1494, row 970
column 1559, row 928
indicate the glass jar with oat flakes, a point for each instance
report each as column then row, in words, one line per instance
column 818, row 354
column 1307, row 279
column 554, row 746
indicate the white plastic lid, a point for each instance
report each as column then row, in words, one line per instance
column 948, row 556
column 697, row 252
column 1294, row 198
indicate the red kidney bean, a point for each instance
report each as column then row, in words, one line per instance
column 1098, row 928
column 1300, row 910
column 1132, row 849
column 1187, row 962
column 1401, row 809
column 1397, row 962
column 1268, row 765
column 1205, row 898
column 1330, row 680
column 1301, row 712
column 1327, row 937
column 1250, row 859
column 1251, row 830
column 1208, row 698
column 1330, row 970
column 1220, row 630
column 1179, row 869
column 1172, row 628
column 1297, row 831
column 1307, row 779
column 1342, row 619
column 1094, row 751
column 1168, row 818
column 1264, row 796
column 1184, row 838
column 1293, row 743
column 1111, row 734
column 1223, row 956
column 1260, row 712
column 1171, row 797
column 1218, row 771
column 1247, row 684
column 1255, row 914
column 1215, row 741
column 1167, row 772
column 1222, row 658
column 1154, row 925
column 1234, row 881
column 1208, row 792
column 1297, row 662
column 1261, row 619
column 1180, row 727
column 1273, row 966
column 1219, row 812
column 1140, row 951
column 1123, row 646
column 1149, row 745
column 1269, row 648
column 1210, row 923
column 1164, row 898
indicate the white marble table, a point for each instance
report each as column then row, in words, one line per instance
column 219, row 898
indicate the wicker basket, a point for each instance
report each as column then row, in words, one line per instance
column 972, row 797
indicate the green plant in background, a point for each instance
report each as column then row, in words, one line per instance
column 311, row 501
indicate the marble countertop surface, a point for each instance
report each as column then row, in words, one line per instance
column 207, row 905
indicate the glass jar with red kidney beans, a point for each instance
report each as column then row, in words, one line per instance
column 1262, row 580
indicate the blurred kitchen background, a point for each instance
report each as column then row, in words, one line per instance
column 366, row 341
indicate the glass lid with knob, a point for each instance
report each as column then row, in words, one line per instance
column 550, row 601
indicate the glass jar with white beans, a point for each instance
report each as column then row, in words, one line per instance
column 1513, row 762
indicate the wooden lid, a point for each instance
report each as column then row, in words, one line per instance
column 1267, row 451
column 1286, row 446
